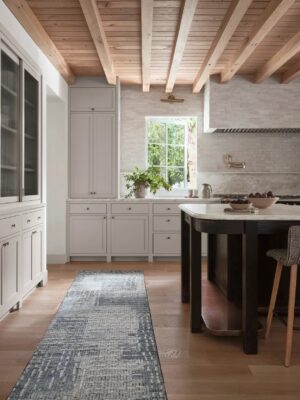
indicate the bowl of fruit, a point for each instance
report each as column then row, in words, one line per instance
column 262, row 200
column 240, row 203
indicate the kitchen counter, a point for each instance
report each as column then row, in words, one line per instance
column 150, row 200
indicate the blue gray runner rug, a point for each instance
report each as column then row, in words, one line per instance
column 100, row 345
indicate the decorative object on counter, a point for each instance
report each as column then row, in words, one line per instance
column 172, row 99
column 139, row 180
column 233, row 164
column 195, row 194
column 190, row 193
column 289, row 257
column 240, row 204
column 206, row 191
column 262, row 200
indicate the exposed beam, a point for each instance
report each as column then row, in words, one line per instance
column 146, row 18
column 292, row 73
column 291, row 48
column 235, row 13
column 188, row 12
column 272, row 14
column 95, row 25
column 32, row 25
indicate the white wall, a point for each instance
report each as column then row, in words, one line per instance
column 272, row 160
column 57, row 179
column 13, row 33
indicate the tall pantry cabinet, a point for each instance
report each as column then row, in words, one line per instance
column 93, row 141
column 22, row 216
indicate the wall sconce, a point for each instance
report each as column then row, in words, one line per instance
column 233, row 164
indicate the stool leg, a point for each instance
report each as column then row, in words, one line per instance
column 273, row 299
column 291, row 315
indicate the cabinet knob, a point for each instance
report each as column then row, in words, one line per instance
column 112, row 217
column 13, row 225
column 168, row 237
column 34, row 232
column 39, row 217
column 129, row 208
column 28, row 221
column 168, row 220
column 93, row 108
column 5, row 244
column 104, row 217
column 88, row 208
column 168, row 208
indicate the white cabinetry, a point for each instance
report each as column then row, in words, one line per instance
column 10, row 272
column 129, row 235
column 94, row 142
column 87, row 235
column 32, row 258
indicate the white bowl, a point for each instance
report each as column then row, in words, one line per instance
column 263, row 202
column 241, row 206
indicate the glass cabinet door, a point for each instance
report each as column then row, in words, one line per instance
column 31, row 135
column 10, row 133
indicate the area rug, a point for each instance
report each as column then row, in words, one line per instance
column 100, row 345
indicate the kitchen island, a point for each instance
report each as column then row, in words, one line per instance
column 246, row 229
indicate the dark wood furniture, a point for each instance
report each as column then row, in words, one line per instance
column 246, row 229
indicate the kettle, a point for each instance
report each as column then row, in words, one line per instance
column 206, row 191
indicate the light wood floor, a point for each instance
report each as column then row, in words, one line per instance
column 195, row 367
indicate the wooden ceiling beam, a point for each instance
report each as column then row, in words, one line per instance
column 291, row 48
column 33, row 27
column 187, row 15
column 272, row 14
column 233, row 17
column 146, row 18
column 292, row 73
column 95, row 25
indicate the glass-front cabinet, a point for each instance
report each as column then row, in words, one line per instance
column 20, row 129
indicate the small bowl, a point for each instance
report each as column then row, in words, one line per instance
column 263, row 202
column 240, row 206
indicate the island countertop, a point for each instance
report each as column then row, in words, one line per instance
column 278, row 212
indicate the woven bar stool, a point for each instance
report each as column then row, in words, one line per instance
column 289, row 257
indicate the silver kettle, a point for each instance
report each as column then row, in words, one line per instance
column 206, row 191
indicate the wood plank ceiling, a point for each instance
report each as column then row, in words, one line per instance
column 185, row 42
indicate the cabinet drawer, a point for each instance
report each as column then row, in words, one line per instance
column 32, row 219
column 166, row 243
column 166, row 223
column 8, row 226
column 92, row 99
column 166, row 208
column 129, row 208
column 87, row 208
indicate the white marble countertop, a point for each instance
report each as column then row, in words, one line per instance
column 179, row 200
column 278, row 212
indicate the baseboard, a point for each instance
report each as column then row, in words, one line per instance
column 57, row 259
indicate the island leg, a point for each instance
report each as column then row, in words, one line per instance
column 249, row 285
column 196, row 285
column 185, row 259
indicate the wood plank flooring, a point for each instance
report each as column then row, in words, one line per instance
column 195, row 367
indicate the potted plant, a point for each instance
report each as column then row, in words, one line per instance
column 139, row 180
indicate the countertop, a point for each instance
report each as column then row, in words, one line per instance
column 150, row 200
column 278, row 212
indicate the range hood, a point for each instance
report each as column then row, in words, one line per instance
column 240, row 107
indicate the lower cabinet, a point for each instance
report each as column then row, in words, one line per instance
column 166, row 244
column 129, row 235
column 32, row 258
column 87, row 235
column 10, row 273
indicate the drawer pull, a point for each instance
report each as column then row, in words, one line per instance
column 168, row 220
column 168, row 208
column 39, row 217
column 13, row 225
column 168, row 237
column 129, row 208
column 29, row 220
column 112, row 217
column 88, row 208
column 104, row 217
column 5, row 244
column 34, row 232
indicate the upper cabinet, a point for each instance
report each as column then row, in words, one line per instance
column 94, row 142
column 20, row 129
column 93, row 99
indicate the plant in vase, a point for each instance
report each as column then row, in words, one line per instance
column 140, row 180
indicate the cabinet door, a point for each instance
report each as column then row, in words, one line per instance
column 104, row 168
column 31, row 135
column 10, row 127
column 87, row 235
column 81, row 160
column 92, row 99
column 10, row 271
column 36, row 246
column 129, row 235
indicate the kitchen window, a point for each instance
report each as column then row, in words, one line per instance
column 172, row 149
